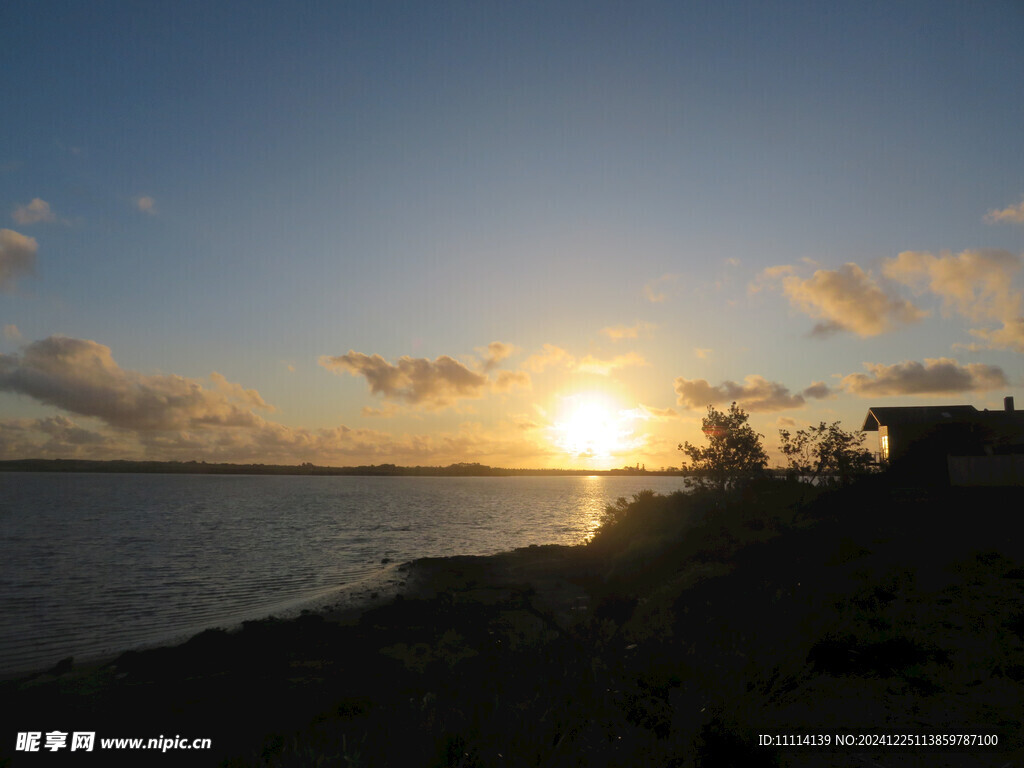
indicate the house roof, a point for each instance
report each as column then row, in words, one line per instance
column 919, row 414
column 1004, row 427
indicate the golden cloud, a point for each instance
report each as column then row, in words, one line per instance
column 974, row 283
column 847, row 299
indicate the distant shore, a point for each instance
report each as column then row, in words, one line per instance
column 222, row 468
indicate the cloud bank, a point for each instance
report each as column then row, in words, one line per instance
column 939, row 376
column 81, row 376
column 431, row 384
column 756, row 394
column 170, row 417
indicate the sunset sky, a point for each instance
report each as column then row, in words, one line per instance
column 524, row 234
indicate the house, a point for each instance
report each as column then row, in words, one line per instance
column 957, row 443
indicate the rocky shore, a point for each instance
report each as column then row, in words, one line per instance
column 688, row 631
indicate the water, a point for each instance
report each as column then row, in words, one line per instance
column 94, row 564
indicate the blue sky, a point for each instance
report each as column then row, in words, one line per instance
column 619, row 209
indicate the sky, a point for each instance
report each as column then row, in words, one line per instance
column 529, row 234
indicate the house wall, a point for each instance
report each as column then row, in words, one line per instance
column 986, row 470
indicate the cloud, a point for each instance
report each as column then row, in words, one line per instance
column 818, row 391
column 1010, row 336
column 647, row 413
column 974, row 283
column 33, row 213
column 146, row 204
column 53, row 437
column 549, row 355
column 556, row 356
column 17, row 257
column 495, row 352
column 237, row 393
column 506, row 381
column 769, row 276
column 757, row 394
column 81, row 376
column 702, row 352
column 628, row 331
column 389, row 410
column 935, row 377
column 12, row 333
column 591, row 364
column 653, row 290
column 1013, row 214
column 168, row 417
column 416, row 381
column 845, row 299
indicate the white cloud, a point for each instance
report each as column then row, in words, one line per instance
column 702, row 352
column 33, row 213
column 935, row 377
column 12, row 333
column 17, row 257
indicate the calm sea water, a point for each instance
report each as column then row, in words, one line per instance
column 93, row 564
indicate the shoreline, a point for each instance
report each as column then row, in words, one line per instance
column 336, row 602
column 413, row 580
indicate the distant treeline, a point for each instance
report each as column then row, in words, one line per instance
column 203, row 468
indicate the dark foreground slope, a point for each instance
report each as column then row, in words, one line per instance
column 688, row 629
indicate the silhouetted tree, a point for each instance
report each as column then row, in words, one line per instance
column 825, row 452
column 734, row 449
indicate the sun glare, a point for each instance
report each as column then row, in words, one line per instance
column 591, row 426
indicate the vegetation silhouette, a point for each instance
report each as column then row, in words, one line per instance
column 825, row 454
column 734, row 451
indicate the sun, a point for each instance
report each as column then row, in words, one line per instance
column 590, row 425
